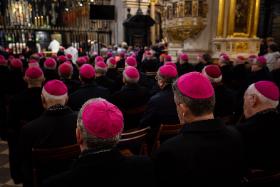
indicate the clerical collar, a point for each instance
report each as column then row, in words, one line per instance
column 56, row 107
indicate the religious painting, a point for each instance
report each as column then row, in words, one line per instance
column 241, row 16
column 188, row 8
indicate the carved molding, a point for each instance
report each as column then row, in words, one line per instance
column 183, row 19
column 178, row 30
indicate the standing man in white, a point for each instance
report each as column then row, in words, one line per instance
column 73, row 51
column 54, row 45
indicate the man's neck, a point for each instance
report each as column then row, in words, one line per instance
column 192, row 119
column 35, row 86
column 261, row 109
column 99, row 75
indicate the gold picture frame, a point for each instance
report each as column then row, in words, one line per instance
column 243, row 18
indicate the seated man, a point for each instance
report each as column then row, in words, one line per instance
column 54, row 128
column 65, row 71
column 225, row 98
column 131, row 96
column 89, row 89
column 206, row 152
column 99, row 127
column 23, row 108
column 161, row 107
column 50, row 69
column 183, row 66
column 113, row 73
column 261, row 129
column 100, row 76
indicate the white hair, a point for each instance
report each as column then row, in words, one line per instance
column 127, row 65
column 264, row 100
column 110, row 65
column 58, row 99
column 130, row 80
column 212, row 80
column 50, row 68
column 100, row 70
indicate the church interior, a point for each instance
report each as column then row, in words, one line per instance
column 139, row 93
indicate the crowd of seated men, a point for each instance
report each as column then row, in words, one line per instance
column 229, row 110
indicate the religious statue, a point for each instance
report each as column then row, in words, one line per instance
column 202, row 8
column 170, row 12
column 181, row 9
column 194, row 8
column 188, row 8
column 54, row 15
column 164, row 12
column 175, row 10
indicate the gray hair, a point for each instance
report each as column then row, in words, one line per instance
column 264, row 100
column 130, row 80
column 198, row 107
column 91, row 141
column 167, row 80
column 100, row 70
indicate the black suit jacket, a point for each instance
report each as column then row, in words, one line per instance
column 261, row 140
column 184, row 68
column 106, row 169
column 16, row 84
column 131, row 96
column 50, row 74
column 72, row 85
column 86, row 92
column 56, row 127
column 128, row 98
column 225, row 101
column 227, row 73
column 275, row 74
column 106, row 83
column 205, row 153
column 149, row 65
column 161, row 109
column 260, row 75
column 23, row 108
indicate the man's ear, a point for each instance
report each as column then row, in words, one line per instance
column 79, row 137
column 184, row 109
column 66, row 100
column 44, row 103
column 25, row 79
column 253, row 100
column 161, row 83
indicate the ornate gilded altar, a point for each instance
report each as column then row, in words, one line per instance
column 183, row 19
column 237, row 27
